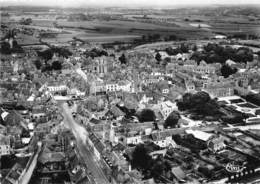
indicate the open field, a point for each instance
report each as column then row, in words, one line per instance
column 116, row 30
column 183, row 23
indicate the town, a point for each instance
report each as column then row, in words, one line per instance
column 166, row 107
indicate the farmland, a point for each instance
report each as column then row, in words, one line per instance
column 180, row 24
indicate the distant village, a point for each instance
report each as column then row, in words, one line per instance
column 186, row 112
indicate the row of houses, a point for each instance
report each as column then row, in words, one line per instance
column 101, row 86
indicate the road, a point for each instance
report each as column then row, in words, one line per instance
column 30, row 168
column 81, row 134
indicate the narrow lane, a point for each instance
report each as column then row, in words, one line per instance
column 81, row 134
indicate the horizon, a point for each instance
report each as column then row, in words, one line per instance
column 123, row 3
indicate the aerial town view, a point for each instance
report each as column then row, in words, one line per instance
column 129, row 92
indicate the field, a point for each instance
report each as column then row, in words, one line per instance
column 116, row 30
column 189, row 24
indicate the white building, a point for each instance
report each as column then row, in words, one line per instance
column 134, row 140
column 166, row 108
column 57, row 88
column 119, row 86
column 163, row 143
column 5, row 148
column 125, row 86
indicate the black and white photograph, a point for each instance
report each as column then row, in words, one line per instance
column 129, row 92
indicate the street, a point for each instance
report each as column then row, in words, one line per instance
column 29, row 170
column 81, row 134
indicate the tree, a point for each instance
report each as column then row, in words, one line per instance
column 172, row 120
column 199, row 103
column 194, row 47
column 122, row 59
column 146, row 115
column 141, row 159
column 38, row 64
column 166, row 61
column 5, row 48
column 46, row 55
column 158, row 168
column 158, row 57
column 27, row 21
column 226, row 70
column 184, row 48
column 56, row 65
column 205, row 171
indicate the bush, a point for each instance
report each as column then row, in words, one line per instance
column 172, row 119
column 199, row 103
column 146, row 115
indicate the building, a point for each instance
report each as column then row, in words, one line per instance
column 219, row 88
column 166, row 108
column 101, row 65
column 96, row 146
column 5, row 147
column 97, row 87
column 203, row 68
column 216, row 144
column 57, row 89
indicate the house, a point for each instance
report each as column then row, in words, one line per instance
column 200, row 135
column 163, row 86
column 97, row 86
column 166, row 108
column 146, row 97
column 3, row 129
column 51, row 162
column 44, row 128
column 190, row 86
column 100, row 65
column 216, row 144
column 112, row 87
column 219, row 88
column 96, row 145
column 125, row 85
column 38, row 112
column 134, row 139
column 14, row 175
column 203, row 68
column 178, row 173
column 57, row 88
column 182, row 57
column 163, row 139
column 155, row 154
column 164, row 142
column 220, row 37
column 115, row 112
column 5, row 146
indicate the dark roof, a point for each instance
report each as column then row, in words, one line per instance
column 116, row 111
column 178, row 173
column 13, row 119
column 119, row 147
column 51, row 157
column 95, row 121
column 97, row 143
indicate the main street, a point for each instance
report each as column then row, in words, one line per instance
column 81, row 134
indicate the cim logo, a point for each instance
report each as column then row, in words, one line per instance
column 234, row 167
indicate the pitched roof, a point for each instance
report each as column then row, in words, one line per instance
column 119, row 147
column 51, row 157
column 95, row 121
column 116, row 111
column 178, row 173
column 200, row 134
column 97, row 143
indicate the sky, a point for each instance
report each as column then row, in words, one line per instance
column 80, row 3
